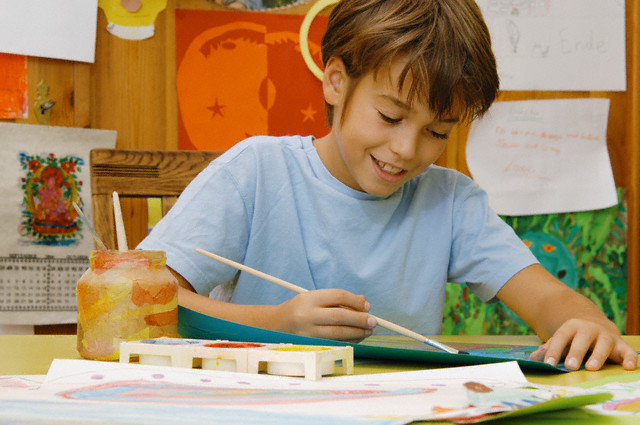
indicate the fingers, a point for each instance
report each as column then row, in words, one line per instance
column 578, row 340
column 538, row 355
column 601, row 351
column 624, row 354
column 340, row 297
column 330, row 313
column 343, row 316
column 555, row 347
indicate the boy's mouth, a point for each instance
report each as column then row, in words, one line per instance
column 388, row 168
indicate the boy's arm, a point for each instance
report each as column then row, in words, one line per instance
column 319, row 313
column 568, row 322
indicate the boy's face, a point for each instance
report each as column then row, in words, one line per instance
column 382, row 141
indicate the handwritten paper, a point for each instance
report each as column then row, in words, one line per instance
column 558, row 44
column 61, row 29
column 543, row 156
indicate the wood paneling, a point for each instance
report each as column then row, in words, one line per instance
column 627, row 165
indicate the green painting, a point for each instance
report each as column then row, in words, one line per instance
column 586, row 250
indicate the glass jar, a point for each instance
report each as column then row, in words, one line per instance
column 124, row 296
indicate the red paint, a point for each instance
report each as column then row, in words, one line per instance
column 233, row 345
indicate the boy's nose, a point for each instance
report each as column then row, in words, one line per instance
column 405, row 146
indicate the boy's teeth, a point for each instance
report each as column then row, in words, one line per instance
column 388, row 168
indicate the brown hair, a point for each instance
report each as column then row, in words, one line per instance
column 445, row 42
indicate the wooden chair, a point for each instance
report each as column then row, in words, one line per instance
column 136, row 175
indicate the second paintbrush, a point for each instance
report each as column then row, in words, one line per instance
column 382, row 322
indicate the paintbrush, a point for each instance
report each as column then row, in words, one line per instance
column 382, row 322
column 121, row 237
column 85, row 220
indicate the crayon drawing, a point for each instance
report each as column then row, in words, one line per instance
column 20, row 382
column 585, row 250
column 117, row 393
column 145, row 391
column 50, row 186
column 626, row 396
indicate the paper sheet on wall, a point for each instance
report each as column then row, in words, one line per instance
column 558, row 44
column 543, row 156
column 45, row 246
column 61, row 29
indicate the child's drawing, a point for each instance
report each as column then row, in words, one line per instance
column 145, row 391
column 585, row 250
column 50, row 186
column 118, row 392
column 20, row 382
column 625, row 401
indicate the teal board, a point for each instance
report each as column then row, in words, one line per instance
column 192, row 324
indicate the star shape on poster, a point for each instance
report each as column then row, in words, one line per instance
column 308, row 113
column 216, row 109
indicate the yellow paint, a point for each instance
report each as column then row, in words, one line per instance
column 301, row 348
column 633, row 406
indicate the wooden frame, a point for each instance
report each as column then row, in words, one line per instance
column 139, row 174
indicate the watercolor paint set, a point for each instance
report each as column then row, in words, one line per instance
column 309, row 361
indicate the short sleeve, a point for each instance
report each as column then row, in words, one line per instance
column 210, row 214
column 485, row 251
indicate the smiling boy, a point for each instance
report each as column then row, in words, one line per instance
column 361, row 217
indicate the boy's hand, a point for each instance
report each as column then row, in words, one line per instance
column 576, row 337
column 327, row 313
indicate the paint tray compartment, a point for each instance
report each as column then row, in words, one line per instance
column 309, row 361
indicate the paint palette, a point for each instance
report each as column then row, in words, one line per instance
column 309, row 361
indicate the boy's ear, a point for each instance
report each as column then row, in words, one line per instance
column 334, row 80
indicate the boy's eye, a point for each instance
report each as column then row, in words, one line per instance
column 438, row 135
column 389, row 119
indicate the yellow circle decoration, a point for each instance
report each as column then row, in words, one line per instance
column 304, row 35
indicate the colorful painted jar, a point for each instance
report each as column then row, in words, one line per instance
column 124, row 296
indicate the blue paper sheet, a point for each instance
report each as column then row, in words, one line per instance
column 192, row 324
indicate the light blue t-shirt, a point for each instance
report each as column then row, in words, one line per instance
column 270, row 203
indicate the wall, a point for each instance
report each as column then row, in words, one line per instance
column 131, row 88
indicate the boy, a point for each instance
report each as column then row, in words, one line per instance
column 364, row 210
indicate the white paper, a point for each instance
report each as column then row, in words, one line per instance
column 39, row 271
column 543, row 156
column 78, row 391
column 558, row 44
column 60, row 29
column 626, row 395
column 399, row 397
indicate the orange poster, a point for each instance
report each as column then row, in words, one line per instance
column 241, row 74
column 13, row 86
